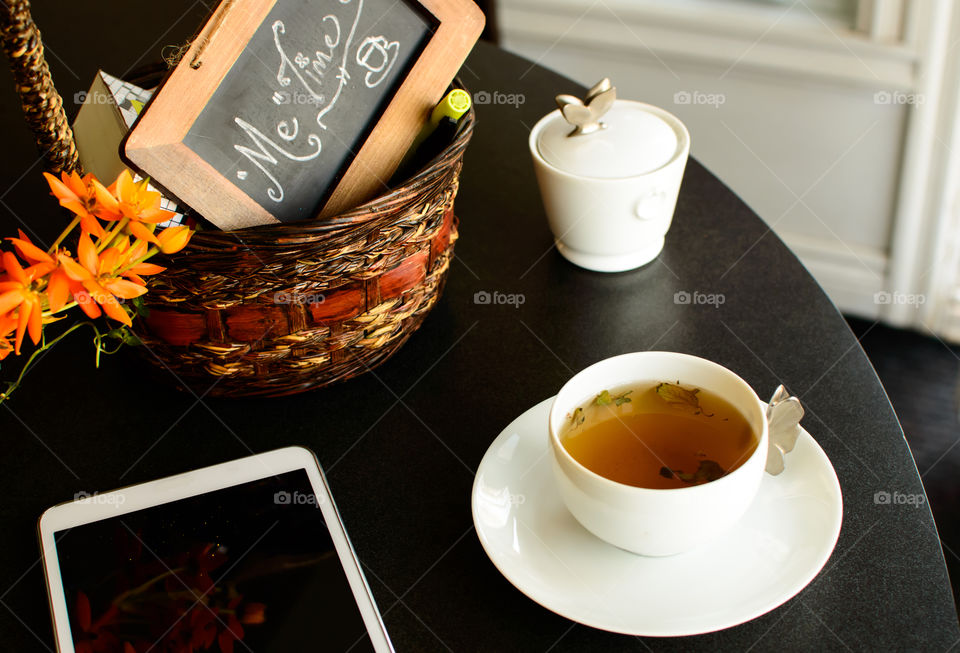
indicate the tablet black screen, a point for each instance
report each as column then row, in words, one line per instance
column 246, row 568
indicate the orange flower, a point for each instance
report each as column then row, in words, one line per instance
column 100, row 276
column 59, row 284
column 7, row 325
column 17, row 292
column 173, row 239
column 5, row 348
column 28, row 251
column 133, row 270
column 133, row 200
column 80, row 196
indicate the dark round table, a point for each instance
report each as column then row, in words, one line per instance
column 401, row 445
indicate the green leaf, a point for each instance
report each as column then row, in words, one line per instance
column 140, row 307
column 124, row 335
column 619, row 400
column 680, row 397
column 115, row 334
column 604, row 398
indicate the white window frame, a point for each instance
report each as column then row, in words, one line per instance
column 881, row 20
column 899, row 45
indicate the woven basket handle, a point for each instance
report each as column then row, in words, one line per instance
column 42, row 105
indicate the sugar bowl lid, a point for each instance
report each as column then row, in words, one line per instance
column 628, row 141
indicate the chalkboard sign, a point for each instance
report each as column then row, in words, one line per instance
column 284, row 110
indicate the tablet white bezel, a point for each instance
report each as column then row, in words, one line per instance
column 189, row 484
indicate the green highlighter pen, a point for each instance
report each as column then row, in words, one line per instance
column 436, row 134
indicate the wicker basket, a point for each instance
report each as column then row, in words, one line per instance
column 278, row 309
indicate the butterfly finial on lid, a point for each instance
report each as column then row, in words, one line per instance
column 585, row 114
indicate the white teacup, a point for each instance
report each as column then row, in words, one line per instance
column 609, row 195
column 656, row 522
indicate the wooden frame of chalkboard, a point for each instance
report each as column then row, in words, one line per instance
column 284, row 110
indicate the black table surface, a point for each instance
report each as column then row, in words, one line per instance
column 401, row 445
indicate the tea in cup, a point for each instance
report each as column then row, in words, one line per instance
column 658, row 453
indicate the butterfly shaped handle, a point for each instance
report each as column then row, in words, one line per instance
column 585, row 114
column 783, row 416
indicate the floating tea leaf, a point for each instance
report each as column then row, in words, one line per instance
column 577, row 418
column 678, row 396
column 605, row 398
column 707, row 470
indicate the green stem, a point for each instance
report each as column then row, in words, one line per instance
column 150, row 252
column 112, row 234
column 70, row 227
column 47, row 345
column 65, row 307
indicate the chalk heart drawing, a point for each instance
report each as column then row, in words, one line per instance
column 306, row 75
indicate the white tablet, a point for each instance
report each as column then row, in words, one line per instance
column 249, row 555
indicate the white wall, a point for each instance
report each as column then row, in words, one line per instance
column 808, row 121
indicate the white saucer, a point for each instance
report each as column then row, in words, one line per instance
column 778, row 547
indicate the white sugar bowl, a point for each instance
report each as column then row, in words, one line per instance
column 609, row 186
